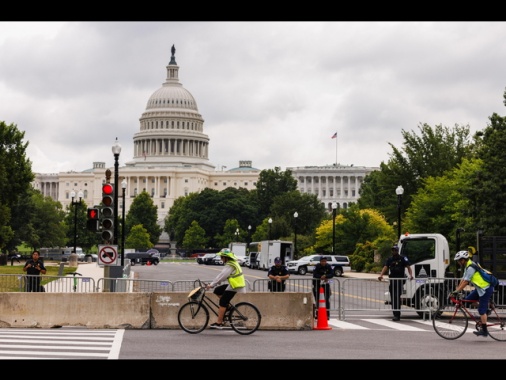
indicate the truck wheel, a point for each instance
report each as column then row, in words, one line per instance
column 302, row 270
column 338, row 271
column 155, row 262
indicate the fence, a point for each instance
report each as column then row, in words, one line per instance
column 349, row 296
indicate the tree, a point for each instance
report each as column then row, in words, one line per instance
column 39, row 223
column 144, row 212
column 81, row 231
column 442, row 205
column 310, row 212
column 431, row 153
column 270, row 184
column 488, row 190
column 353, row 226
column 16, row 177
column 219, row 207
column 138, row 238
column 229, row 233
column 195, row 237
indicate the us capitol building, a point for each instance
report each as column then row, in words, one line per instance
column 171, row 160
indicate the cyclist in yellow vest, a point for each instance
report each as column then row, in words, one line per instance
column 232, row 273
column 482, row 289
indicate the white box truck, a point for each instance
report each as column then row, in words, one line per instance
column 268, row 250
column 239, row 249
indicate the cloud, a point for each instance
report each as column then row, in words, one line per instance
column 269, row 92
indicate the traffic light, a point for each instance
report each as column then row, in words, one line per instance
column 107, row 214
column 93, row 221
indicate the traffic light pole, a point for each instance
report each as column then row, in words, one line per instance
column 116, row 164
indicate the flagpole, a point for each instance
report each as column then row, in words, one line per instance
column 336, row 149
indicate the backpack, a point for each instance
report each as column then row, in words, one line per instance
column 487, row 275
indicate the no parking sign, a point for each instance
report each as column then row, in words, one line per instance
column 107, row 254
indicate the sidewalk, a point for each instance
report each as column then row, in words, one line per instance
column 92, row 270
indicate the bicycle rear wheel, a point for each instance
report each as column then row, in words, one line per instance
column 245, row 318
column 496, row 326
column 193, row 317
column 450, row 322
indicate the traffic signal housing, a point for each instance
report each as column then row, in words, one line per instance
column 107, row 214
column 93, row 219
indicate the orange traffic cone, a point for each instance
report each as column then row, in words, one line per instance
column 148, row 263
column 322, row 323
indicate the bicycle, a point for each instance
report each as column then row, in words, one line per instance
column 451, row 320
column 193, row 316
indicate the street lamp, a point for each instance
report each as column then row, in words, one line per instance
column 334, row 211
column 75, row 204
column 295, row 216
column 270, row 225
column 123, row 188
column 116, row 150
column 399, row 191
column 249, row 236
column 237, row 234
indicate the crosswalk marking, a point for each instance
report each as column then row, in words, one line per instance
column 65, row 343
column 393, row 325
column 345, row 325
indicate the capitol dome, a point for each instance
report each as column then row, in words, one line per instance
column 171, row 128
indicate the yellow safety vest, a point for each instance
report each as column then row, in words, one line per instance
column 236, row 279
column 477, row 279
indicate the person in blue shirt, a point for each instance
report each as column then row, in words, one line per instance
column 322, row 272
column 278, row 274
column 396, row 265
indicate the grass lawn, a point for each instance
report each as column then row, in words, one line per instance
column 52, row 269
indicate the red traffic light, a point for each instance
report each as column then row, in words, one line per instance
column 107, row 189
column 93, row 213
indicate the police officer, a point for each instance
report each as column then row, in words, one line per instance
column 322, row 272
column 397, row 265
column 34, row 268
column 278, row 274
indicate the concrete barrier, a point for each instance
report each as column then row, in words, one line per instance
column 157, row 310
column 280, row 311
column 92, row 310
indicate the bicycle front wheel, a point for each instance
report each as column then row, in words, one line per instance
column 450, row 322
column 193, row 317
column 245, row 318
column 495, row 326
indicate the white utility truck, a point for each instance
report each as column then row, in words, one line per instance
column 268, row 250
column 429, row 256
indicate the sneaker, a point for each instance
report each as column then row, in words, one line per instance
column 216, row 325
column 482, row 333
column 396, row 319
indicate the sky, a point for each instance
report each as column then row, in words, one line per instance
column 270, row 92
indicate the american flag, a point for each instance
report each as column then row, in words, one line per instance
column 334, row 136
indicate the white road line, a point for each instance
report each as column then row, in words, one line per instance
column 345, row 325
column 394, row 325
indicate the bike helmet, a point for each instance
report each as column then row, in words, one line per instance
column 226, row 253
column 461, row 255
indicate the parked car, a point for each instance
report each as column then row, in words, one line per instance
column 142, row 258
column 216, row 260
column 94, row 257
column 306, row 264
column 207, row 259
column 241, row 260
